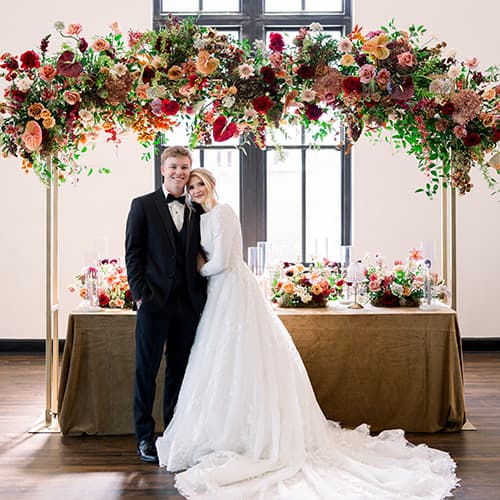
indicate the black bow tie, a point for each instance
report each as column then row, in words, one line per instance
column 180, row 199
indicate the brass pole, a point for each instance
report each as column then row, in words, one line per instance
column 55, row 290
column 444, row 234
column 453, row 248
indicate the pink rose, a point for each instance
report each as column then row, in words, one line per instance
column 374, row 285
column 472, row 63
column 383, row 78
column 115, row 28
column 71, row 97
column 32, row 135
column 74, row 29
column 47, row 73
column 406, row 60
column 100, row 45
column 367, row 73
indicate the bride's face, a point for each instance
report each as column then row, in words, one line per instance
column 197, row 190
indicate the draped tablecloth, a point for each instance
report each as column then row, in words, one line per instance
column 389, row 368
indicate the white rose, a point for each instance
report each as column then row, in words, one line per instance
column 24, row 84
column 315, row 27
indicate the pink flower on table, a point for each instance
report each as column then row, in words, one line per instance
column 47, row 73
column 415, row 254
column 74, row 29
column 367, row 73
column 374, row 285
column 472, row 63
column 406, row 60
column 398, row 262
column 71, row 97
column 32, row 135
column 398, row 268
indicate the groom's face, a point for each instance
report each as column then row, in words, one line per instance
column 175, row 171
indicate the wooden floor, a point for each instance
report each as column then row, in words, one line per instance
column 48, row 466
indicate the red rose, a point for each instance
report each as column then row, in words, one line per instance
column 128, row 295
column 496, row 135
column 471, row 139
column 30, row 60
column 148, row 73
column 103, row 299
column 276, row 42
column 268, row 74
column 65, row 65
column 305, row 71
column 262, row 103
column 351, row 84
column 170, row 108
column 313, row 112
column 447, row 108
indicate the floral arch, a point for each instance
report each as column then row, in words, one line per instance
column 443, row 111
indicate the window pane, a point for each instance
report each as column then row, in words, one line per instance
column 324, row 5
column 180, row 6
column 323, row 209
column 284, row 207
column 225, row 165
column 221, row 5
column 282, row 6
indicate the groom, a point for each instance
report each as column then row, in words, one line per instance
column 162, row 244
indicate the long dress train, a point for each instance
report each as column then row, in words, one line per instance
column 247, row 424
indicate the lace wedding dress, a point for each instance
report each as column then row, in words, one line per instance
column 247, row 424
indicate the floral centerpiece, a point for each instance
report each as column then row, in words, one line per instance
column 443, row 111
column 405, row 284
column 299, row 285
column 112, row 285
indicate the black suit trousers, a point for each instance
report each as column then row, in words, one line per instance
column 170, row 330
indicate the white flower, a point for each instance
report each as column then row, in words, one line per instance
column 228, row 101
column 396, row 289
column 315, row 27
column 151, row 93
column 451, row 53
column 199, row 43
column 306, row 298
column 86, row 117
column 308, row 95
column 250, row 114
column 119, row 69
column 2, row 119
column 245, row 71
column 454, row 71
column 24, row 84
column 259, row 45
column 345, row 45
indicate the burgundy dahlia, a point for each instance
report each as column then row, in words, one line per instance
column 276, row 42
column 30, row 59
column 305, row 71
column 447, row 108
column 351, row 84
column 472, row 139
column 170, row 108
column 262, row 104
column 268, row 74
column 313, row 112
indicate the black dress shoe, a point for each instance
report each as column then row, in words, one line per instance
column 146, row 450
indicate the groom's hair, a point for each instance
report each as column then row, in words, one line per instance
column 175, row 151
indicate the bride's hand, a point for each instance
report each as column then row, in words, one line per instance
column 201, row 262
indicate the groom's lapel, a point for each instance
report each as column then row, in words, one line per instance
column 189, row 219
column 162, row 206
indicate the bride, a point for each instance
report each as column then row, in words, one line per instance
column 247, row 424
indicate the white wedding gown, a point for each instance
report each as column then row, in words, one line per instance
column 247, row 424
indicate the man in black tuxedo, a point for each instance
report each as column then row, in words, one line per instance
column 162, row 247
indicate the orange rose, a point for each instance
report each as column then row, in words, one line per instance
column 100, row 44
column 47, row 73
column 175, row 73
column 316, row 290
column 71, row 97
column 48, row 122
column 35, row 110
column 45, row 114
column 289, row 287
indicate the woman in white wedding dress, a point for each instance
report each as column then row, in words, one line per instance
column 247, row 424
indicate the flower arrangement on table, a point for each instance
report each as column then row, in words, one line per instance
column 443, row 111
column 299, row 285
column 403, row 285
column 111, row 283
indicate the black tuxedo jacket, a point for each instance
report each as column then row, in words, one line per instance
column 150, row 252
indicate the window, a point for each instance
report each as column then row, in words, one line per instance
column 301, row 205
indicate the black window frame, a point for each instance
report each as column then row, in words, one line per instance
column 253, row 22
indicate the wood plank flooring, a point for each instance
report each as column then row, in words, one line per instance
column 48, row 466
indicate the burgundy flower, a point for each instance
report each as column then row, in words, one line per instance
column 276, row 43
column 65, row 65
column 268, row 74
column 148, row 74
column 401, row 91
column 496, row 135
column 30, row 59
column 17, row 95
column 389, row 300
column 10, row 63
column 103, row 299
column 128, row 295
column 313, row 112
column 170, row 108
column 471, row 139
column 361, row 59
column 44, row 44
column 83, row 45
column 351, row 84
column 305, row 71
column 262, row 103
column 447, row 108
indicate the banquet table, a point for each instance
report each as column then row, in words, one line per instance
column 389, row 368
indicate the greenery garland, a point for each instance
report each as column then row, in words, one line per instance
column 444, row 112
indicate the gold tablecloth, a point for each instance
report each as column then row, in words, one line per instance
column 389, row 368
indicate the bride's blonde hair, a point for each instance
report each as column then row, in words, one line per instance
column 209, row 180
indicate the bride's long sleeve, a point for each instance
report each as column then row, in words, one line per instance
column 226, row 228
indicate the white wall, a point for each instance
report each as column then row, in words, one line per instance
column 388, row 217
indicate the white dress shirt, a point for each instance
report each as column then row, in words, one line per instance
column 176, row 210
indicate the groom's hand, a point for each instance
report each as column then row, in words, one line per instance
column 201, row 262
